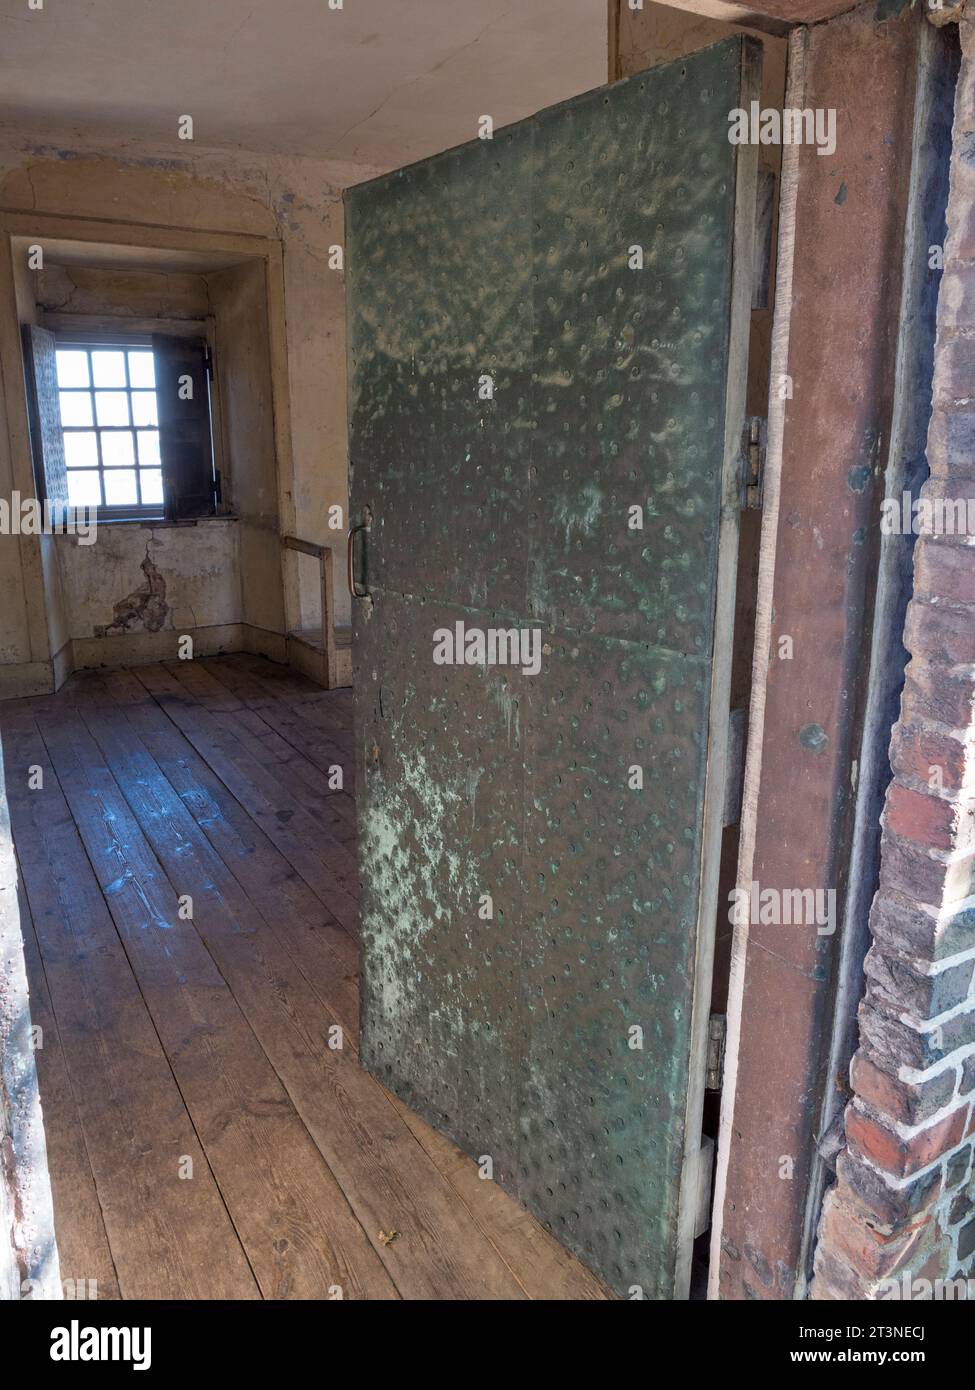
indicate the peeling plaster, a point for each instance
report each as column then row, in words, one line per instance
column 145, row 607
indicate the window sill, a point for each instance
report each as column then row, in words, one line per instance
column 156, row 522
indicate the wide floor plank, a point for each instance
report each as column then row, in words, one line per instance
column 290, row 721
column 137, row 1130
column 327, row 867
column 317, row 942
column 292, row 1217
column 87, row 1267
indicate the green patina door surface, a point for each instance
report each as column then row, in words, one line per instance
column 547, row 380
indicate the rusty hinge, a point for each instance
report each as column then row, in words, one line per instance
column 717, row 1034
column 754, row 438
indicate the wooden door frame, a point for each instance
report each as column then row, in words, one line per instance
column 693, row 1179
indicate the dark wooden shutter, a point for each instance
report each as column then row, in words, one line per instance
column 184, row 426
column 44, row 410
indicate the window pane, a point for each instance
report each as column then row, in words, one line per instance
column 76, row 408
column 144, row 408
column 120, row 487
column 83, row 489
column 108, row 368
column 149, row 448
column 151, row 480
column 112, row 407
column 81, row 450
column 142, row 370
column 72, row 368
column 118, row 450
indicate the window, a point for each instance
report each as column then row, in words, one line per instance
column 121, row 423
column 110, row 423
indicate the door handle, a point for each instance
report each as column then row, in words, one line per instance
column 354, row 589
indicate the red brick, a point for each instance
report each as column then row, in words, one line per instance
column 910, row 1105
column 881, row 1091
column 884, row 1206
column 835, row 1280
column 872, row 1253
column 944, row 571
column 903, row 924
column 951, row 442
column 919, row 874
column 915, row 750
column 898, row 1156
column 956, row 298
column 931, row 692
column 888, row 1040
column 941, row 634
column 891, row 1043
column 960, row 243
column 905, row 989
column 927, row 820
column 954, row 371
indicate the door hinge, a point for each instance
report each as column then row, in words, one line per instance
column 754, row 439
column 208, row 360
column 717, row 1035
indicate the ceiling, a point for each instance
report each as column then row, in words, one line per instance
column 378, row 83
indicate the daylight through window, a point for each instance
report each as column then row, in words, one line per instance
column 110, row 421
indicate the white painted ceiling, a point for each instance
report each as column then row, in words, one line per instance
column 379, row 82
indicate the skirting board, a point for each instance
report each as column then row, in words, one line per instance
column 20, row 680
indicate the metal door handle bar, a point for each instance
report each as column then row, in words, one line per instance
column 354, row 589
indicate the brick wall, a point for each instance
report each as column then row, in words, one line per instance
column 904, row 1201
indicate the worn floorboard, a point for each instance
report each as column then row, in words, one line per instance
column 138, row 1133
column 326, row 866
column 188, row 866
column 87, row 1266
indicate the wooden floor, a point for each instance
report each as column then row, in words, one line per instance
column 188, row 894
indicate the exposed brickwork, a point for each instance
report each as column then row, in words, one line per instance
column 904, row 1200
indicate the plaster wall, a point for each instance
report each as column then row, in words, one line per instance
column 239, row 301
column 97, row 292
column 198, row 563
